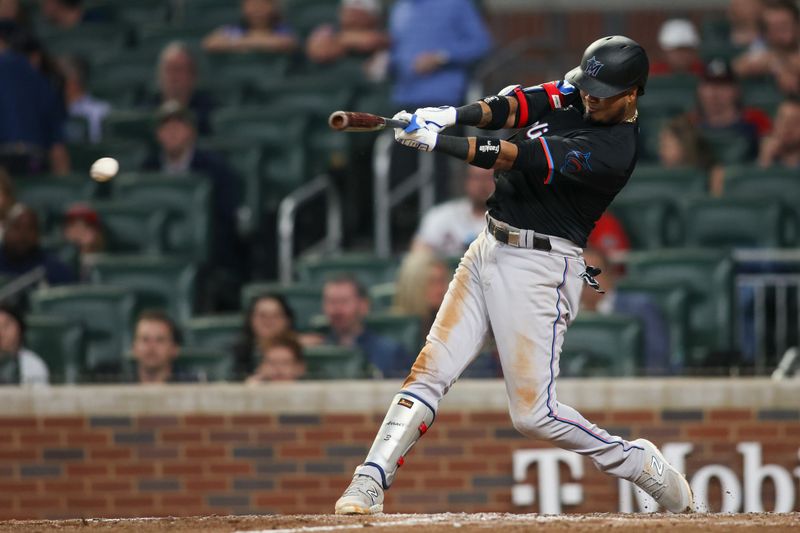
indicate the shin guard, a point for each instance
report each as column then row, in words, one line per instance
column 408, row 418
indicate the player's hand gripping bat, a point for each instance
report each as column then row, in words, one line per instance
column 355, row 121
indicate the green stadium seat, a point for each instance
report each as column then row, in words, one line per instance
column 131, row 227
column 207, row 364
column 367, row 268
column 649, row 222
column 218, row 332
column 305, row 15
column 740, row 223
column 655, row 181
column 61, row 342
column 304, row 299
column 142, row 12
column 186, row 198
column 152, row 39
column 129, row 125
column 685, row 83
column 729, row 146
column 651, row 121
column 158, row 281
column 708, row 276
column 105, row 312
column 94, row 42
column 50, row 195
column 334, row 362
column 248, row 68
column 207, row 14
column 762, row 93
column 673, row 301
column 602, row 346
column 130, row 154
column 404, row 329
column 749, row 181
column 381, row 296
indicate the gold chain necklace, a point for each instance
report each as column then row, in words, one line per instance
column 633, row 118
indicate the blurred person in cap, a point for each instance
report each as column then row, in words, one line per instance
column 82, row 228
column 69, row 14
column 176, row 133
column 156, row 346
column 281, row 360
column 18, row 364
column 261, row 30
column 778, row 55
column 782, row 147
column 679, row 42
column 177, row 80
column 359, row 33
column 21, row 250
column 78, row 100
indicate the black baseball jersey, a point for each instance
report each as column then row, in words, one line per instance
column 568, row 169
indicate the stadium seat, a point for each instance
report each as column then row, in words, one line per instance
column 740, row 223
column 708, row 276
column 762, row 93
column 334, row 362
column 602, row 346
column 105, row 312
column 649, row 222
column 158, row 281
column 367, row 268
column 130, row 154
column 404, row 329
column 129, row 125
column 729, row 146
column 207, row 14
column 61, row 342
column 131, row 227
column 50, row 195
column 381, row 296
column 650, row 123
column 206, row 364
column 218, row 332
column 248, row 68
column 748, row 181
column 655, row 181
column 673, row 301
column 304, row 299
column 186, row 198
column 93, row 42
column 304, row 15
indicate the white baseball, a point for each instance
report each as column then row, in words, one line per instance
column 104, row 169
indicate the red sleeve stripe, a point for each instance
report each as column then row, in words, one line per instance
column 522, row 108
column 549, row 158
column 553, row 94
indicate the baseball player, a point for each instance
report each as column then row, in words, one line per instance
column 574, row 151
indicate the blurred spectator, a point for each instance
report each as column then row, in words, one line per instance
column 639, row 305
column 268, row 317
column 31, row 114
column 449, row 228
column 156, row 345
column 421, row 285
column 14, row 11
column 609, row 235
column 78, row 100
column 782, row 147
column 177, row 135
column 21, row 251
column 681, row 145
column 780, row 54
column 261, row 30
column 679, row 42
column 744, row 17
column 177, row 80
column 345, row 305
column 281, row 360
column 720, row 109
column 359, row 33
column 18, row 365
column 68, row 14
column 435, row 43
column 7, row 198
column 83, row 229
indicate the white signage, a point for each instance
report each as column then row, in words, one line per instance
column 737, row 495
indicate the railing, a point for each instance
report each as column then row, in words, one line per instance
column 387, row 198
column 287, row 210
column 22, row 283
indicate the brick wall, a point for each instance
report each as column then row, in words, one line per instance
column 84, row 465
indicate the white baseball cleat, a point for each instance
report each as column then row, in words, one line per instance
column 363, row 496
column 660, row 480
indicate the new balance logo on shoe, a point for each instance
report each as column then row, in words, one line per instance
column 658, row 465
column 372, row 493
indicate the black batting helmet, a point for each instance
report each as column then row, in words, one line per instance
column 611, row 65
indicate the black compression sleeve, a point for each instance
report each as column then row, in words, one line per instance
column 455, row 146
column 469, row 115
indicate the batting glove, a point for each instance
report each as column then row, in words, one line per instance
column 415, row 135
column 437, row 119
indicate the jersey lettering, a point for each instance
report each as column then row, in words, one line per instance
column 537, row 130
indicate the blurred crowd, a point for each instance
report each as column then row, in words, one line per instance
column 50, row 107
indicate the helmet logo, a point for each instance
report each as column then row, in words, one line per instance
column 593, row 66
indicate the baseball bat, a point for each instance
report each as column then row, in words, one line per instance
column 356, row 121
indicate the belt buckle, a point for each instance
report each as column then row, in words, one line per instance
column 513, row 238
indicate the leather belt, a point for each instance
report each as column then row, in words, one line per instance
column 511, row 236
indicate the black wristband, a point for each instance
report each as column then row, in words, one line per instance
column 469, row 115
column 487, row 150
column 455, row 146
column 500, row 109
